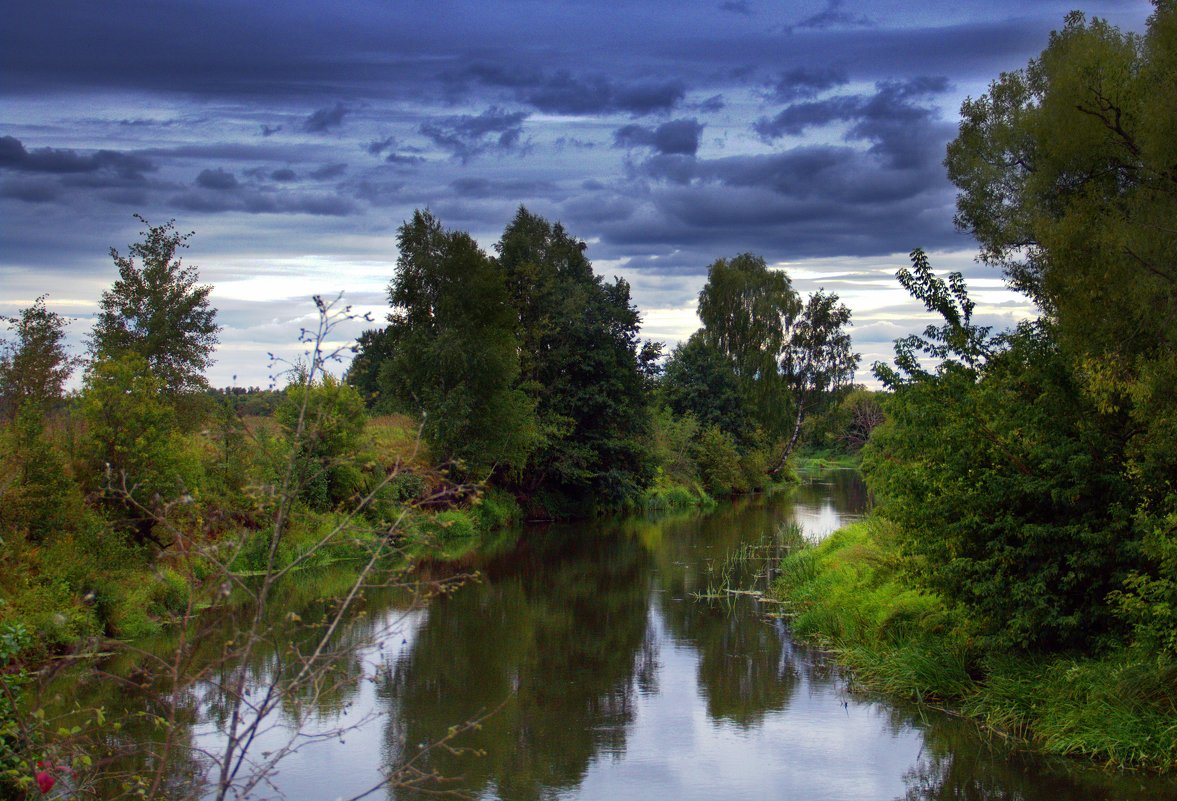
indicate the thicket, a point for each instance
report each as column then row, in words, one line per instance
column 1027, row 566
column 543, row 387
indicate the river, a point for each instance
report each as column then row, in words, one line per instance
column 612, row 660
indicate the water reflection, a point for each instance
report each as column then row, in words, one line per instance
column 617, row 660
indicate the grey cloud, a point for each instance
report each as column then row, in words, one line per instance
column 465, row 136
column 328, row 171
column 740, row 7
column 804, row 82
column 31, row 190
column 284, row 175
column 217, row 179
column 14, row 156
column 325, row 119
column 561, row 92
column 518, row 191
column 677, row 137
column 380, row 145
column 833, row 16
column 253, row 201
column 892, row 119
column 711, row 105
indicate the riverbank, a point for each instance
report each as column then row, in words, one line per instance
column 853, row 594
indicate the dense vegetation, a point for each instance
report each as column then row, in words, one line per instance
column 1029, row 474
column 502, row 386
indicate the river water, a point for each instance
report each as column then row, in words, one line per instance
column 612, row 660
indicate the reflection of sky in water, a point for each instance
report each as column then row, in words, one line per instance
column 814, row 748
column 731, row 708
column 325, row 768
column 821, row 520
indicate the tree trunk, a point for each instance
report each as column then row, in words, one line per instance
column 792, row 441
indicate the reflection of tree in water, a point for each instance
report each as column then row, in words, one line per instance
column 956, row 765
column 555, row 641
column 746, row 668
column 146, row 694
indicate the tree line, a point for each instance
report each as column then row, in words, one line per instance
column 528, row 369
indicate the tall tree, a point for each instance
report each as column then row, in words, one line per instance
column 1067, row 173
column 158, row 310
column 35, row 365
column 747, row 312
column 699, row 380
column 453, row 352
column 579, row 352
column 817, row 360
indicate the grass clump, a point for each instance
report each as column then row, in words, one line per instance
column 853, row 594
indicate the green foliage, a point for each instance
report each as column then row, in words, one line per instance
column 40, row 497
column 455, row 357
column 579, row 360
column 672, row 444
column 324, row 422
column 34, row 367
column 133, row 449
column 854, row 592
column 846, row 423
column 701, row 381
column 817, row 361
column 496, row 508
column 373, row 348
column 718, row 461
column 747, row 311
column 158, row 311
column 1002, row 477
column 1067, row 182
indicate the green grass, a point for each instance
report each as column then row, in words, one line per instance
column 816, row 460
column 851, row 594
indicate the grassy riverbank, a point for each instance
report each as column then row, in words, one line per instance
column 854, row 594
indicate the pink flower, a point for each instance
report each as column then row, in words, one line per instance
column 45, row 781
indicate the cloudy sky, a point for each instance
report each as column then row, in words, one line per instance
column 295, row 137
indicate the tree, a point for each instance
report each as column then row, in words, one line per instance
column 454, row 355
column 580, row 360
column 158, row 311
column 817, row 359
column 700, row 381
column 133, row 444
column 1067, row 180
column 747, row 311
column 373, row 348
column 998, row 469
column 35, row 366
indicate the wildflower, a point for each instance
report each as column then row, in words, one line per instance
column 45, row 781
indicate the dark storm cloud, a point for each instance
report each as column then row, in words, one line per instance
column 250, row 200
column 562, row 92
column 325, row 119
column 31, row 190
column 833, row 16
column 895, row 122
column 464, row 136
column 378, row 146
column 521, row 191
column 804, row 82
column 328, row 171
column 284, row 175
column 711, row 105
column 740, row 7
column 14, row 156
column 217, row 180
column 670, row 138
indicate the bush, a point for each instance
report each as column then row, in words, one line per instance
column 719, row 462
